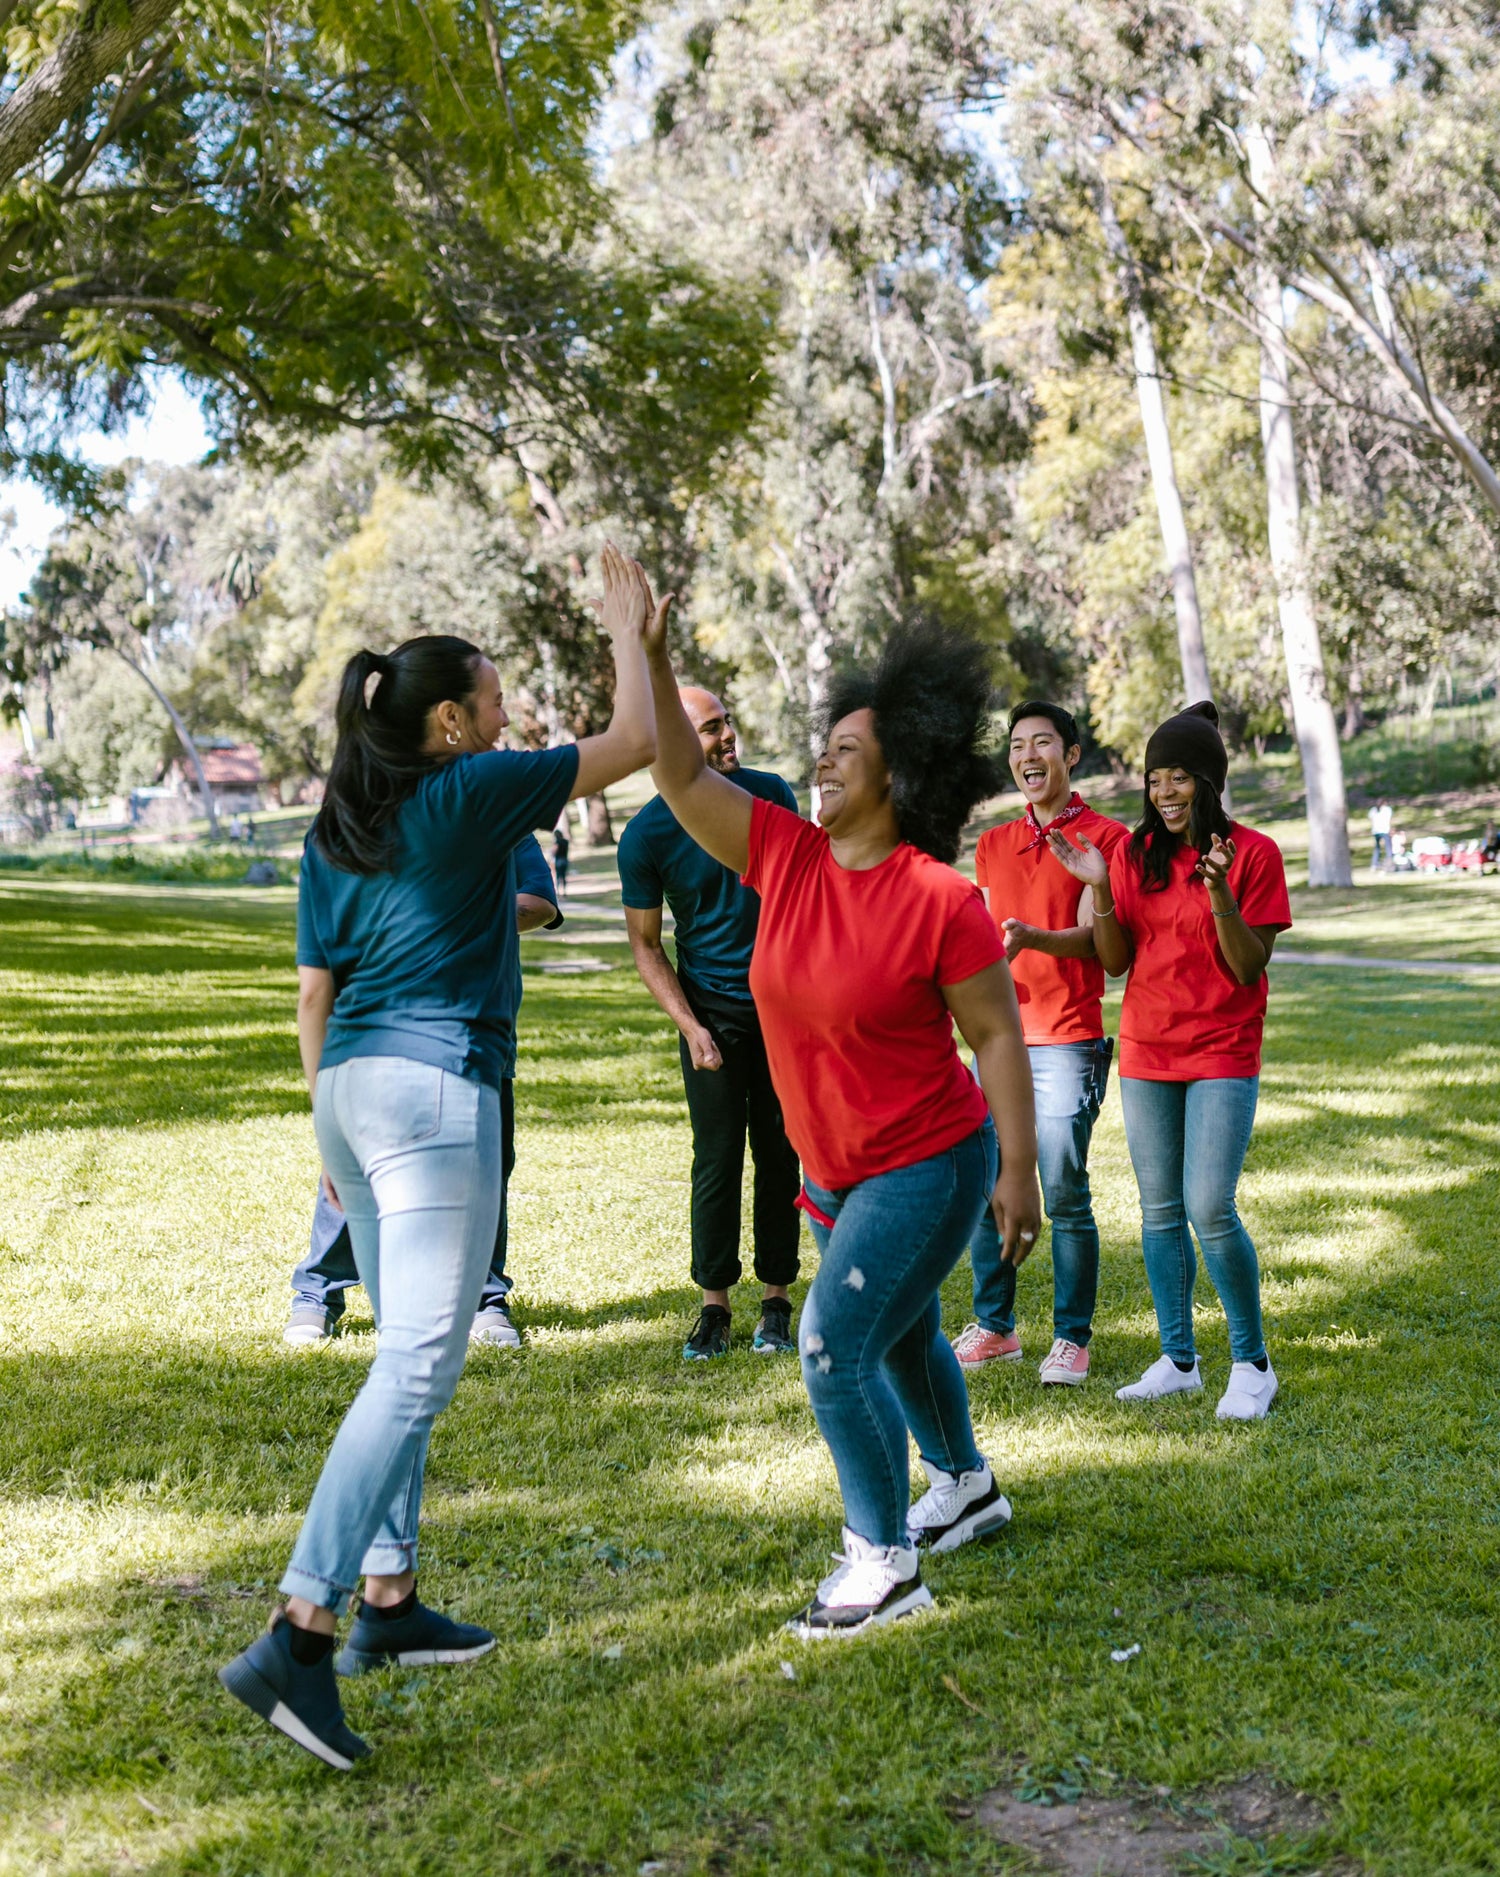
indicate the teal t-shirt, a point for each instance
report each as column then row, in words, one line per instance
column 425, row 957
column 714, row 916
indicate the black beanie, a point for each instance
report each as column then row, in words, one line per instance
column 1190, row 741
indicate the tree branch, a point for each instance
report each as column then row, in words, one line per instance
column 63, row 81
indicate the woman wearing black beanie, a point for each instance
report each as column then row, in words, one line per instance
column 1191, row 906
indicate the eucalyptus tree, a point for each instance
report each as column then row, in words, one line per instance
column 812, row 150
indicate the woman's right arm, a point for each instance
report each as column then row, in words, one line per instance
column 713, row 811
column 630, row 741
column 1087, row 864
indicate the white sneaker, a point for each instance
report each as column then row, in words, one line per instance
column 1162, row 1378
column 873, row 1584
column 1249, row 1394
column 494, row 1328
column 956, row 1508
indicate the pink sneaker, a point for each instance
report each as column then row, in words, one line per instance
column 977, row 1345
column 1066, row 1364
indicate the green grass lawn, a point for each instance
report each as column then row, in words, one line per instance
column 1316, row 1598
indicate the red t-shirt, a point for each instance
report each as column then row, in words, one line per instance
column 1062, row 999
column 1186, row 1017
column 847, row 976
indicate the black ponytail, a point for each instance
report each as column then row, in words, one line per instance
column 1206, row 818
column 378, row 760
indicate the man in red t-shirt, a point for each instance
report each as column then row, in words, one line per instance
column 1047, row 925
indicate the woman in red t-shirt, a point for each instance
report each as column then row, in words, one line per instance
column 869, row 948
column 1191, row 905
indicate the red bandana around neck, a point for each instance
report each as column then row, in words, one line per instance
column 1075, row 807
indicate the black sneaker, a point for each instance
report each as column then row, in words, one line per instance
column 710, row 1335
column 773, row 1333
column 874, row 1584
column 957, row 1507
column 415, row 1640
column 299, row 1699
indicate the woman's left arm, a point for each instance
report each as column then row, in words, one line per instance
column 1246, row 948
column 989, row 1019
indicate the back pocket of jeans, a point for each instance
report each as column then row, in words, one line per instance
column 395, row 1103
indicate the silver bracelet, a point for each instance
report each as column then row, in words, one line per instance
column 1224, row 915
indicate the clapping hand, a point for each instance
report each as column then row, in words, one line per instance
column 1018, row 935
column 1213, row 867
column 1084, row 862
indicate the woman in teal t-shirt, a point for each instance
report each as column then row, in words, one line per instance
column 405, row 1016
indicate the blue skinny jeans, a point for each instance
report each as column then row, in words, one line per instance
column 415, row 1155
column 873, row 1353
column 1069, row 1080
column 1187, row 1143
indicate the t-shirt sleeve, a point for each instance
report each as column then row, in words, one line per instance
column 309, row 946
column 1109, row 837
column 982, row 858
column 1122, row 883
column 775, row 834
column 640, row 876
column 1262, row 890
column 534, row 877
column 511, row 792
column 970, row 942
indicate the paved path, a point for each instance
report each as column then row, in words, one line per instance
column 1425, row 967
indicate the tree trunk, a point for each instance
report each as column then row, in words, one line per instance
column 184, row 735
column 62, row 83
column 1176, row 545
column 601, row 833
column 1313, row 721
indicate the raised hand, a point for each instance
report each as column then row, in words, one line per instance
column 626, row 608
column 1213, row 867
column 1084, row 862
column 656, row 624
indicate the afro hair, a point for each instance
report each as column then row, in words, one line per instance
column 930, row 693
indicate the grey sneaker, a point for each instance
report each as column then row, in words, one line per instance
column 309, row 1323
column 493, row 1327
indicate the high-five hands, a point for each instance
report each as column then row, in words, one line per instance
column 627, row 608
column 1084, row 862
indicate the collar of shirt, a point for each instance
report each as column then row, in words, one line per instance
column 1074, row 809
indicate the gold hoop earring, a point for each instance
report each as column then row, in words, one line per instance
column 451, row 740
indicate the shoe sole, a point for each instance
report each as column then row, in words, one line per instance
column 774, row 1349
column 304, row 1339
column 1063, row 1381
column 241, row 1681
column 919, row 1599
column 486, row 1341
column 697, row 1355
column 981, row 1523
column 360, row 1661
column 983, row 1362
column 1165, row 1395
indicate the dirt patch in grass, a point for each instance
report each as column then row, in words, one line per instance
column 1249, row 1827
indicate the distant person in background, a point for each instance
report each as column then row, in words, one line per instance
column 561, row 842
column 1046, row 920
column 725, row 1074
column 1190, row 906
column 1489, row 847
column 1382, row 824
column 320, row 1281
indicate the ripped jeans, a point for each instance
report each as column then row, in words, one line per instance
column 873, row 1353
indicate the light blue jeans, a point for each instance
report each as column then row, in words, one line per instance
column 1069, row 1080
column 874, row 1356
column 1187, row 1143
column 414, row 1154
